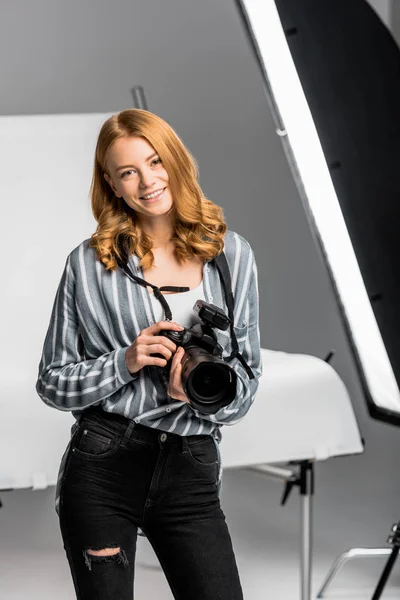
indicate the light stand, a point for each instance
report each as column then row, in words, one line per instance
column 338, row 112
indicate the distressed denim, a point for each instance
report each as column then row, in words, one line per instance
column 120, row 476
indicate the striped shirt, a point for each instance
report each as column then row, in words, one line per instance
column 96, row 316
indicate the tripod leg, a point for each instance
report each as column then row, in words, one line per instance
column 306, row 500
column 386, row 572
column 345, row 557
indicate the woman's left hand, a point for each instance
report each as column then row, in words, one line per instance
column 175, row 389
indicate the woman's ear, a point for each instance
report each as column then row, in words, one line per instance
column 106, row 177
column 110, row 183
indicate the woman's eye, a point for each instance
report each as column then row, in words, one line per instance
column 156, row 160
column 129, row 171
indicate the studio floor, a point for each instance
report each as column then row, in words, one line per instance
column 265, row 538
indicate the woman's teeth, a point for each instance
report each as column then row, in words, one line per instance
column 154, row 195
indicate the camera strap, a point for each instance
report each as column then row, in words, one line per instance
column 123, row 264
column 157, row 290
column 225, row 276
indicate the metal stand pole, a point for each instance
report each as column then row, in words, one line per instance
column 305, row 480
column 306, row 507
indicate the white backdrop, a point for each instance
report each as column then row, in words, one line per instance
column 302, row 408
column 46, row 169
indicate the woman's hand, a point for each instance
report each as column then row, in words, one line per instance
column 175, row 389
column 138, row 354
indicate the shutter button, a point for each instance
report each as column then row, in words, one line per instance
column 163, row 437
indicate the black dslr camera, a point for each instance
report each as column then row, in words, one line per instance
column 207, row 380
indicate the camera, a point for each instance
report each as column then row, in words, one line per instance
column 207, row 380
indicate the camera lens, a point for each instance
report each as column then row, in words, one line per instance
column 210, row 382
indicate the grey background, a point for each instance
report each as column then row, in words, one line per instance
column 194, row 62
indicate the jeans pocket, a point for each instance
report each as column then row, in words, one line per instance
column 203, row 452
column 93, row 443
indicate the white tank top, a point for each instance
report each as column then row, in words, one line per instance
column 181, row 305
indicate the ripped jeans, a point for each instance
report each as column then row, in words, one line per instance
column 120, row 476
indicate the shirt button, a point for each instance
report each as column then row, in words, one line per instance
column 136, row 420
column 168, row 409
column 211, row 298
column 163, row 437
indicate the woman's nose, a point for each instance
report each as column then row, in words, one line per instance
column 146, row 180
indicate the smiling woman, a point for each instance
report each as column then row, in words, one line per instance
column 139, row 186
column 102, row 360
column 138, row 154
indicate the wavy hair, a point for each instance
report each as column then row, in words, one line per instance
column 199, row 224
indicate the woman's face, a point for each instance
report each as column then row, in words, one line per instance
column 136, row 171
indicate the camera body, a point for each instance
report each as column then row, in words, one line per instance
column 207, row 380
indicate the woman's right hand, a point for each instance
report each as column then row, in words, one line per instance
column 147, row 342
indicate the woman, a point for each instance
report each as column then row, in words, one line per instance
column 140, row 456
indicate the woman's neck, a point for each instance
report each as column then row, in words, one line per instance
column 160, row 232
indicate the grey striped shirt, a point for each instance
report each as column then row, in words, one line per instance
column 97, row 314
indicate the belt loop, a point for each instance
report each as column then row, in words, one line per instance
column 185, row 445
column 129, row 430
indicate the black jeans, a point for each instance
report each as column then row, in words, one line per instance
column 120, row 476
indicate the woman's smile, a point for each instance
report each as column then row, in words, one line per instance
column 155, row 199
